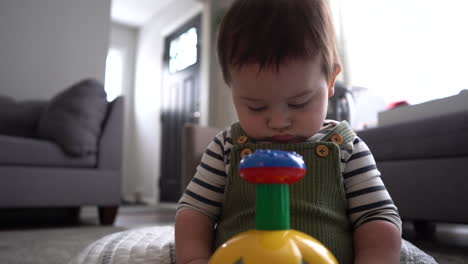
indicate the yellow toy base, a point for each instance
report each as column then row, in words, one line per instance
column 279, row 246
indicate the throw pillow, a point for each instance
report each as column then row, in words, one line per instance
column 73, row 118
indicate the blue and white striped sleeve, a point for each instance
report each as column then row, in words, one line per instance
column 368, row 199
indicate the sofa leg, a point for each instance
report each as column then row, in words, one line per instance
column 424, row 227
column 74, row 213
column 107, row 214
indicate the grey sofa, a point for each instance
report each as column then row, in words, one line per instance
column 38, row 172
column 424, row 165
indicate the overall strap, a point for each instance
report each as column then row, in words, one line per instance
column 341, row 134
column 236, row 132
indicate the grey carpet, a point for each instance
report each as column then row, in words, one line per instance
column 445, row 255
column 59, row 245
column 48, row 246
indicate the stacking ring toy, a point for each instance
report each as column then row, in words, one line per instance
column 272, row 241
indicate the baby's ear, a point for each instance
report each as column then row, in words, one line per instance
column 331, row 83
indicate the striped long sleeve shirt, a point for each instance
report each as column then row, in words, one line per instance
column 366, row 194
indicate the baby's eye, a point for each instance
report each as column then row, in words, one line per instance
column 298, row 106
column 256, row 108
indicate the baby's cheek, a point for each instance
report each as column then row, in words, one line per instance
column 253, row 129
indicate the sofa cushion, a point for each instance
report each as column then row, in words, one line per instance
column 19, row 118
column 36, row 152
column 437, row 137
column 74, row 118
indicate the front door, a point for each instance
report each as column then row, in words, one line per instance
column 180, row 102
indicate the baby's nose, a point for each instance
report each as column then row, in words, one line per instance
column 279, row 120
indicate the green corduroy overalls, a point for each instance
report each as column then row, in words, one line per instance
column 318, row 202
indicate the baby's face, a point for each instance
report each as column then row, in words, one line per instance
column 285, row 106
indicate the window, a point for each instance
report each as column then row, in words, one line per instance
column 114, row 73
column 414, row 50
column 183, row 51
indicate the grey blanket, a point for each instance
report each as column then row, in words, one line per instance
column 410, row 254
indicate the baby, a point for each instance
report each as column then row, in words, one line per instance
column 280, row 61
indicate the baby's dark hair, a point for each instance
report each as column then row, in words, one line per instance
column 271, row 32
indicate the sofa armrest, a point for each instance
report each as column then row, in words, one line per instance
column 110, row 143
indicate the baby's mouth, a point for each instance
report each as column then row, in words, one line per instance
column 284, row 138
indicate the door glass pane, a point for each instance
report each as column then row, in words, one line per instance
column 183, row 51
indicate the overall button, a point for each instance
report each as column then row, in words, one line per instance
column 242, row 139
column 321, row 151
column 337, row 138
column 245, row 151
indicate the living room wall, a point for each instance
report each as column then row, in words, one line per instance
column 222, row 112
column 47, row 45
column 124, row 38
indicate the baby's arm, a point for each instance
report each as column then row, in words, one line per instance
column 377, row 235
column 200, row 205
column 193, row 237
column 377, row 241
